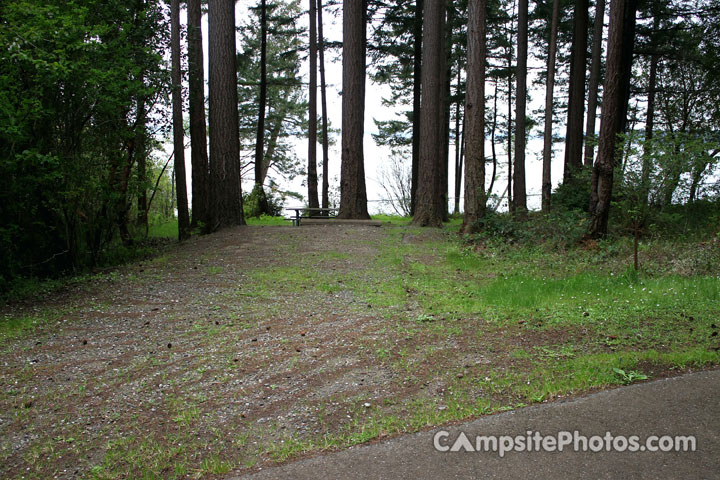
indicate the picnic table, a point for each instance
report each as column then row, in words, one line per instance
column 311, row 213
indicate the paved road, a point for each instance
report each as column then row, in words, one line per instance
column 686, row 405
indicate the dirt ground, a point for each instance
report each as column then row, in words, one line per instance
column 176, row 350
column 233, row 351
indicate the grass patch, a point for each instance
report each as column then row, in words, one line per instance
column 164, row 230
column 378, row 336
column 392, row 219
column 267, row 220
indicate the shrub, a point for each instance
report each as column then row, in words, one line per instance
column 560, row 228
column 573, row 194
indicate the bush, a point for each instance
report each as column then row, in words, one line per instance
column 558, row 228
column 259, row 202
column 573, row 194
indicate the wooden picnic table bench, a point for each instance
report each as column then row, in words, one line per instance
column 311, row 213
column 315, row 216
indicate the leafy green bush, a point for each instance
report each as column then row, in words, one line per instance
column 560, row 228
column 573, row 194
column 273, row 198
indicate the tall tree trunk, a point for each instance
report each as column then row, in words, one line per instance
column 650, row 116
column 460, row 164
column 509, row 55
column 198, row 130
column 594, row 82
column 226, row 194
column 429, row 208
column 549, row 86
column 475, row 117
column 274, row 133
column 697, row 176
column 259, row 191
column 417, row 91
column 621, row 39
column 141, row 154
column 576, row 98
column 492, row 141
column 353, row 197
column 178, row 132
column 323, row 103
column 312, row 113
column 458, row 142
column 519, row 195
column 445, row 150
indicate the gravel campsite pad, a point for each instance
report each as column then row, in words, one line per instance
column 244, row 348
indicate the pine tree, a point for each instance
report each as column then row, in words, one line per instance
column 226, row 194
column 428, row 207
column 594, row 82
column 475, row 117
column 621, row 38
column 519, row 194
column 198, row 129
column 353, row 197
column 576, row 98
column 312, row 112
column 178, row 128
column 324, row 113
column 546, row 187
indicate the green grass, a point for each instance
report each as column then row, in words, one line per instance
column 392, row 219
column 266, row 220
column 549, row 322
column 170, row 229
column 164, row 230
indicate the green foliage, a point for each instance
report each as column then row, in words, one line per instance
column 574, row 193
column 629, row 376
column 72, row 76
column 286, row 114
column 274, row 198
column 558, row 228
column 167, row 229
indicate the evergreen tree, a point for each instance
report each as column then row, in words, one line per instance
column 226, row 193
column 475, row 117
column 285, row 116
column 428, row 207
column 198, row 129
column 353, row 197
column 621, row 38
column 178, row 127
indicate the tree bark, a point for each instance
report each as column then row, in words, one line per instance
column 576, row 98
column 312, row 112
column 323, row 103
column 178, row 128
column 549, row 87
column 475, row 117
column 594, row 82
column 445, row 150
column 492, row 141
column 458, row 142
column 259, row 191
column 198, row 130
column 650, row 117
column 519, row 195
column 428, row 208
column 353, row 197
column 226, row 193
column 417, row 92
column 621, row 38
column 509, row 54
column 141, row 154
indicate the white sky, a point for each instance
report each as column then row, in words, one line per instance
column 375, row 156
